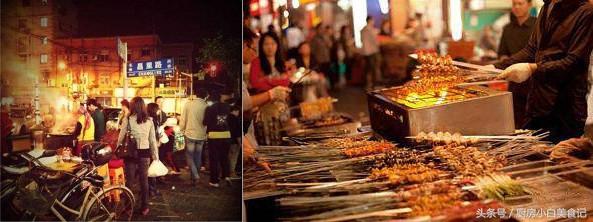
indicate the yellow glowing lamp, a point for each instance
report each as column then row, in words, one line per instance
column 61, row 65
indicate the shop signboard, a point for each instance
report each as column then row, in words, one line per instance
column 170, row 92
column 159, row 67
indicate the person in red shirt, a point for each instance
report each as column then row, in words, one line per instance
column 269, row 69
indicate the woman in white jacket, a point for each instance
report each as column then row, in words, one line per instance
column 142, row 129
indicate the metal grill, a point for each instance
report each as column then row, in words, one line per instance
column 416, row 101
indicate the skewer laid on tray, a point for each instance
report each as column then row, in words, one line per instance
column 468, row 65
column 447, row 138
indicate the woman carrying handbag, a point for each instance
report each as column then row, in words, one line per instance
column 140, row 148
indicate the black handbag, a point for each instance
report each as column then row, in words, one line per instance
column 130, row 147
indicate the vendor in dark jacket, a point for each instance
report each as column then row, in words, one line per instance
column 98, row 118
column 556, row 59
column 216, row 120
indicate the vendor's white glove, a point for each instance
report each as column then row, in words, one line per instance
column 518, row 73
column 279, row 93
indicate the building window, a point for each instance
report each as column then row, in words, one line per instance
column 26, row 3
column 43, row 21
column 104, row 79
column 44, row 40
column 103, row 58
column 45, row 75
column 145, row 52
column 44, row 2
column 44, row 58
column 22, row 45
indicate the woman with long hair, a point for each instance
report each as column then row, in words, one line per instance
column 142, row 129
column 316, row 85
column 268, row 70
column 304, row 58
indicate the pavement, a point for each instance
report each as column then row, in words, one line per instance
column 180, row 201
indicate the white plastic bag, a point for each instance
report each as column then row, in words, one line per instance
column 164, row 138
column 157, row 169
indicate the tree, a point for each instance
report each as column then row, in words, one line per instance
column 226, row 52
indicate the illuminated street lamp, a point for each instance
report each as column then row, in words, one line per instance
column 213, row 69
column 61, row 65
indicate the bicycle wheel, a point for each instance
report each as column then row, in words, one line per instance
column 113, row 203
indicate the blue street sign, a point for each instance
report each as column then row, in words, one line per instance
column 158, row 67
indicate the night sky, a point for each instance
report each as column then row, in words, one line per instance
column 173, row 20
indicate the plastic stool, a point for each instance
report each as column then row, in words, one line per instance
column 104, row 172
column 117, row 177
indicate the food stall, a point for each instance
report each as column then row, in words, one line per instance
column 440, row 148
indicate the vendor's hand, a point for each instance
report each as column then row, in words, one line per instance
column 279, row 93
column 518, row 73
column 572, row 149
column 248, row 154
column 248, row 150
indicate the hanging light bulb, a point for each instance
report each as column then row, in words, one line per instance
column 295, row 4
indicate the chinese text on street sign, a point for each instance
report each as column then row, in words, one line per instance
column 158, row 67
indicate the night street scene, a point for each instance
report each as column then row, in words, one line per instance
column 120, row 110
column 418, row 110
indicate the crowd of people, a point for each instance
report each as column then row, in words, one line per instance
column 208, row 119
column 328, row 50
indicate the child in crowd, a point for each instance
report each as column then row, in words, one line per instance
column 166, row 150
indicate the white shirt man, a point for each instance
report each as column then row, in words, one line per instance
column 370, row 44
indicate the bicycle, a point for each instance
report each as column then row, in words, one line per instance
column 72, row 196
